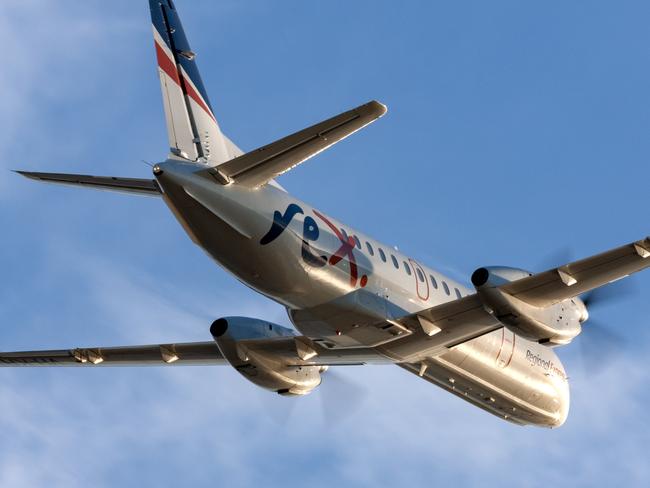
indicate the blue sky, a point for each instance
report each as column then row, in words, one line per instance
column 514, row 129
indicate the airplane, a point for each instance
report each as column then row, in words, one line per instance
column 352, row 299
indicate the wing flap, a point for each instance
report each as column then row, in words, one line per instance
column 258, row 167
column 573, row 279
column 302, row 351
column 182, row 354
column 137, row 186
column 439, row 328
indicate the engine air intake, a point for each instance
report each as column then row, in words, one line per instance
column 480, row 277
column 219, row 327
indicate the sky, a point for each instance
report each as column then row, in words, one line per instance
column 516, row 132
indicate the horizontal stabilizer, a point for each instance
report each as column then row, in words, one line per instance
column 261, row 165
column 138, row 186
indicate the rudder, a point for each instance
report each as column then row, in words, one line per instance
column 193, row 131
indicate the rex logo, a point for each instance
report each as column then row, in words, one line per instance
column 311, row 233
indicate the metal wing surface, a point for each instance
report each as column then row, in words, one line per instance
column 261, row 165
column 296, row 350
column 439, row 328
column 193, row 353
column 139, row 186
column 573, row 279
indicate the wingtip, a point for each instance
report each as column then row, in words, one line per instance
column 379, row 107
column 26, row 174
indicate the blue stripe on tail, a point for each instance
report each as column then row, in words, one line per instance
column 168, row 24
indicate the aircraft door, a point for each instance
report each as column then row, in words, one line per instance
column 421, row 281
column 507, row 349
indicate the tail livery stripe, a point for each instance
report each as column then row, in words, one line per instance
column 167, row 65
column 158, row 21
column 169, row 23
column 192, row 128
column 194, row 95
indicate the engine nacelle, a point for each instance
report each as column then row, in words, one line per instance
column 556, row 324
column 259, row 366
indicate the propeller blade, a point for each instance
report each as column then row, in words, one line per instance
column 556, row 258
column 618, row 290
column 340, row 397
column 599, row 346
column 278, row 409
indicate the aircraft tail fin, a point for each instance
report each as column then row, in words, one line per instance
column 192, row 127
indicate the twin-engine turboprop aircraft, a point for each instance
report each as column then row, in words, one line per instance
column 353, row 299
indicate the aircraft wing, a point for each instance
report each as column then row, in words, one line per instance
column 573, row 279
column 198, row 353
column 138, row 186
column 444, row 326
column 261, row 165
column 439, row 328
column 302, row 351
column 289, row 350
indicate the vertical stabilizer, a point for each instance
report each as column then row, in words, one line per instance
column 193, row 130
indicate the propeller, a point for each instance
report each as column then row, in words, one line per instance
column 278, row 409
column 553, row 259
column 616, row 291
column 599, row 344
column 339, row 396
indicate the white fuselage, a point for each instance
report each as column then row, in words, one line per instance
column 332, row 278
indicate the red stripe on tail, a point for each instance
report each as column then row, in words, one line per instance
column 167, row 65
column 197, row 98
column 170, row 69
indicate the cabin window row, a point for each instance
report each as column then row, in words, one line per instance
column 445, row 287
column 407, row 268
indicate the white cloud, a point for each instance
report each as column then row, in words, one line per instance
column 91, row 424
column 211, row 419
column 50, row 51
column 207, row 426
column 202, row 424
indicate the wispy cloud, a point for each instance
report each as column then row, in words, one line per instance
column 49, row 50
column 405, row 431
column 207, row 426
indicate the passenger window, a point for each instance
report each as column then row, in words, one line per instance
column 445, row 287
column 458, row 293
column 357, row 241
column 395, row 263
column 434, row 282
column 382, row 254
column 370, row 249
column 420, row 275
column 345, row 234
column 407, row 268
